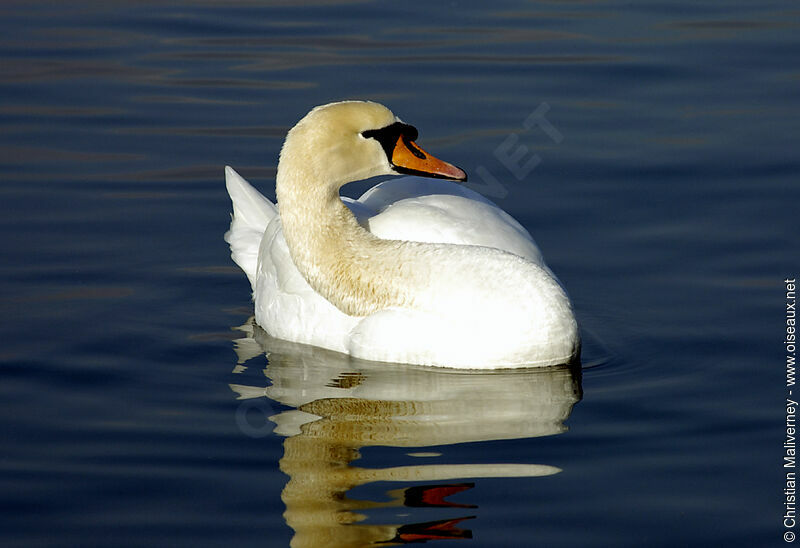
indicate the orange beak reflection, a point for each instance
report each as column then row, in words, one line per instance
column 410, row 159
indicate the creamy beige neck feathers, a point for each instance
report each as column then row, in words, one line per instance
column 340, row 260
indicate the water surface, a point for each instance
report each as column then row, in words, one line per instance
column 138, row 405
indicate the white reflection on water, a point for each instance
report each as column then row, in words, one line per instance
column 341, row 405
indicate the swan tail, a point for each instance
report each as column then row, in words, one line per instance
column 252, row 212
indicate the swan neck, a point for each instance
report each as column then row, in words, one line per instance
column 326, row 243
column 309, row 207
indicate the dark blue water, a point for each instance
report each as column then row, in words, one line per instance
column 137, row 406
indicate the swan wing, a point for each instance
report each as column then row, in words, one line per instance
column 390, row 191
column 427, row 210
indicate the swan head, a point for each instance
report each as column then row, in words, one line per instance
column 353, row 140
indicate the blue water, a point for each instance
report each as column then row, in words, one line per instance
column 137, row 405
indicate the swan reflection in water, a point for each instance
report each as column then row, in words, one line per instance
column 341, row 404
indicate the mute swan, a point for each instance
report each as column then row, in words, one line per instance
column 415, row 271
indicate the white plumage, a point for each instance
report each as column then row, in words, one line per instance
column 474, row 292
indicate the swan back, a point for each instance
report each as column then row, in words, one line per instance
column 428, row 210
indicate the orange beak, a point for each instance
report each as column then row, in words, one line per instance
column 410, row 159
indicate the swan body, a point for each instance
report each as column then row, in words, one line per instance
column 416, row 270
